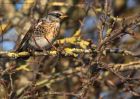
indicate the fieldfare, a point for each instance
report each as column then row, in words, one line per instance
column 42, row 34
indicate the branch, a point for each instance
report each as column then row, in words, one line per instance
column 67, row 52
column 128, row 66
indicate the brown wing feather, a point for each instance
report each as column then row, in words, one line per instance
column 24, row 42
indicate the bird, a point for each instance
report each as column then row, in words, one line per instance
column 43, row 33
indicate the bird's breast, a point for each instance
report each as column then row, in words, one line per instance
column 43, row 35
column 39, row 42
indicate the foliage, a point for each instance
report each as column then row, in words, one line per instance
column 95, row 56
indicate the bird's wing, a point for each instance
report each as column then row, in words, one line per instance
column 24, row 42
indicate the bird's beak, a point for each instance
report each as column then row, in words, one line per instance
column 63, row 16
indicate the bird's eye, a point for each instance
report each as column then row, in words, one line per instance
column 55, row 14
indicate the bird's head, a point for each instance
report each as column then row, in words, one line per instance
column 56, row 16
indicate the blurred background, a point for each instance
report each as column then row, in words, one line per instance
column 15, row 20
